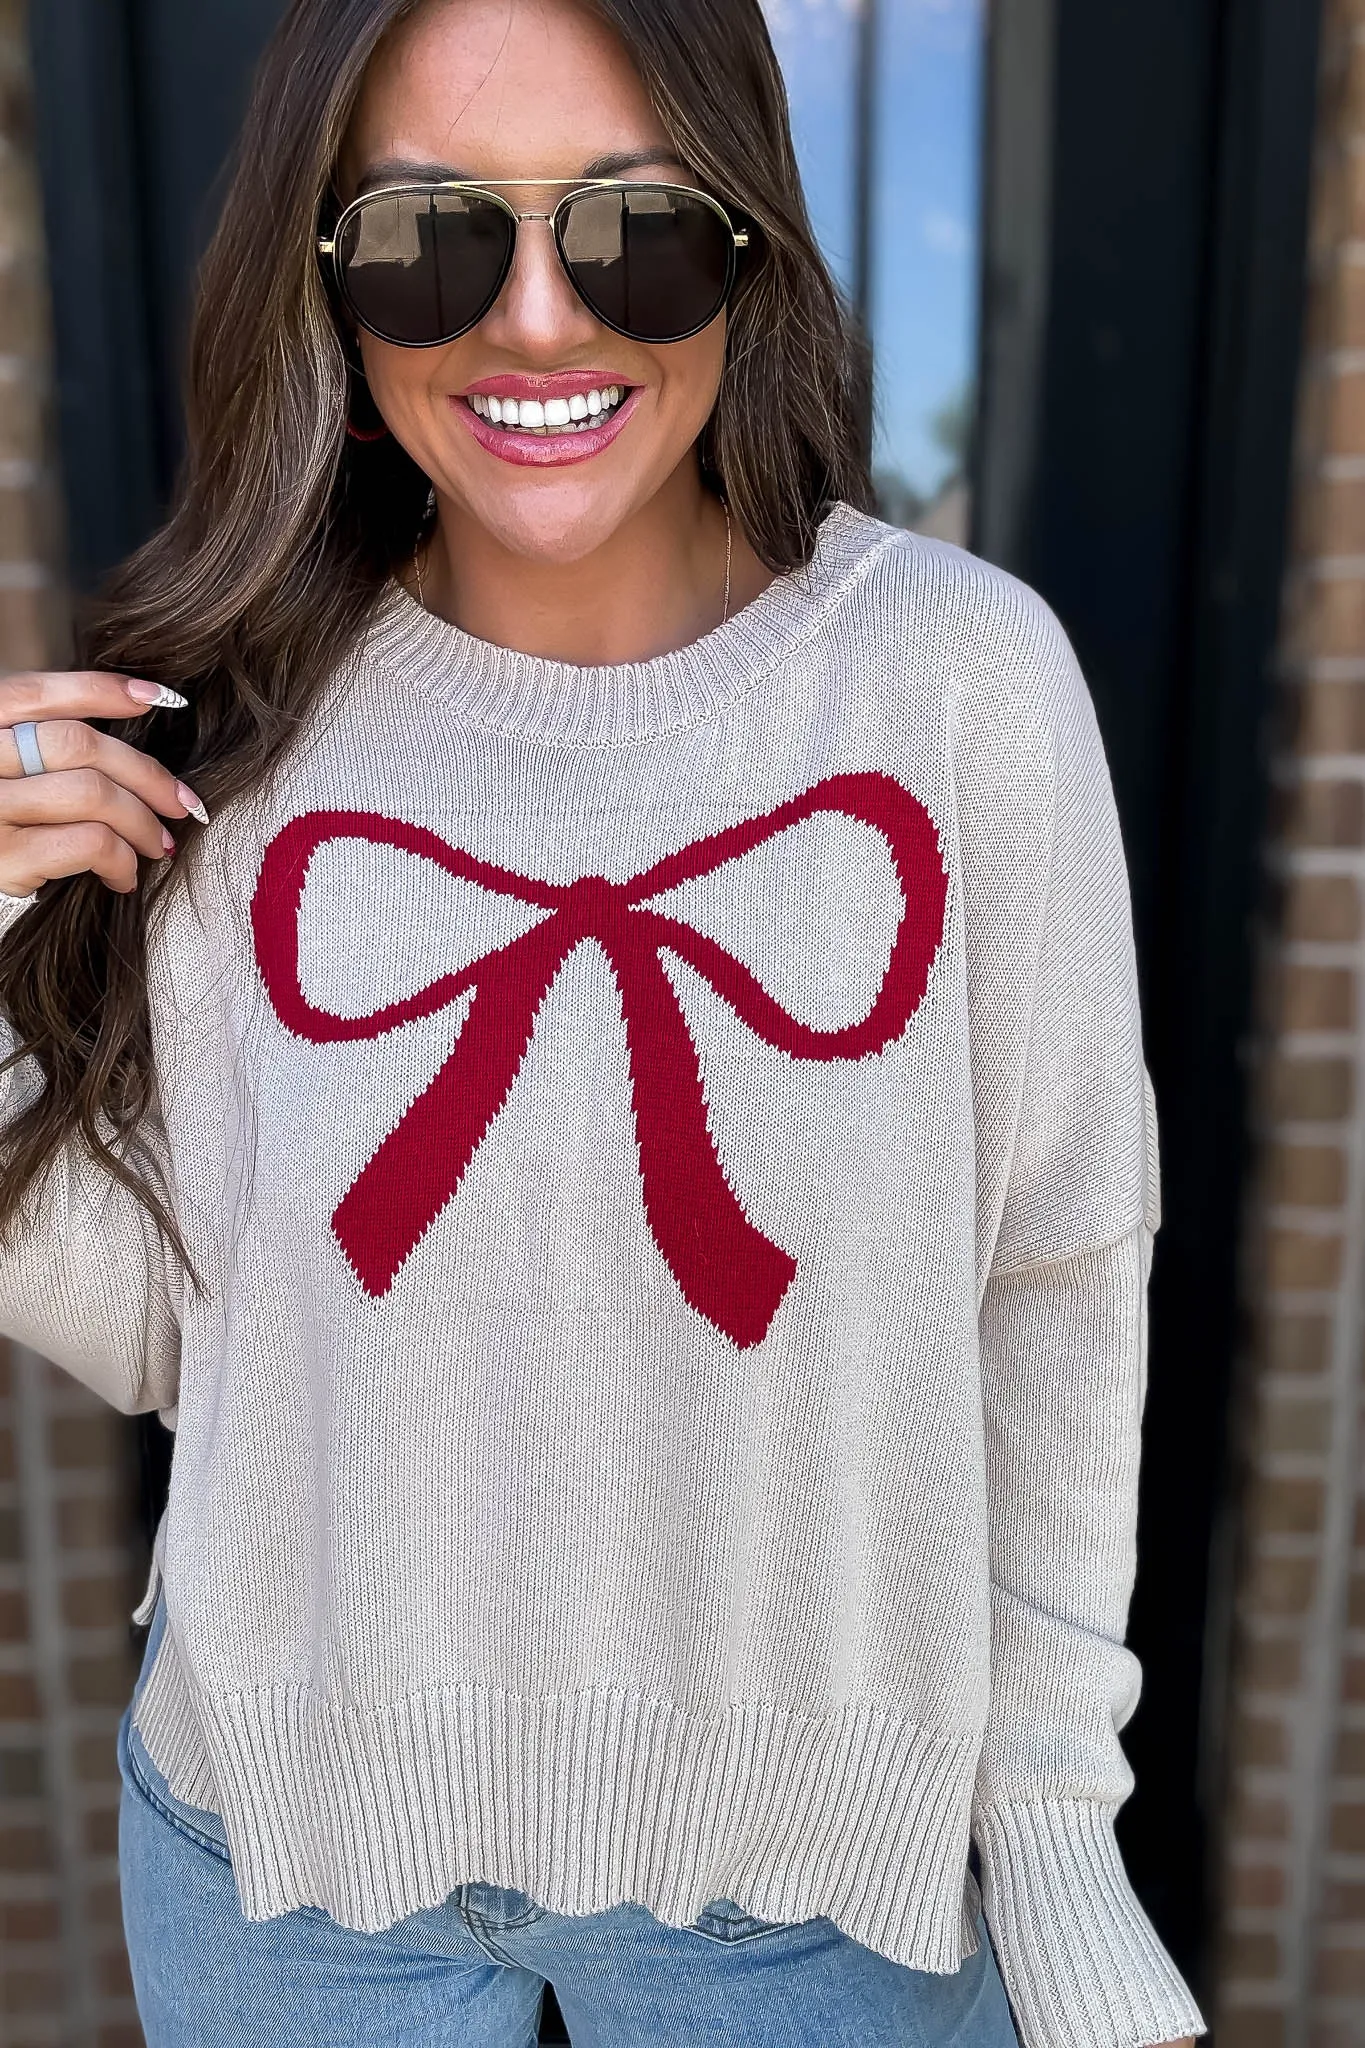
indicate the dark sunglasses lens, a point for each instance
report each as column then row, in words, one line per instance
column 651, row 263
column 422, row 267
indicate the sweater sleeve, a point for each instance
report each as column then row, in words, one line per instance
column 1068, row 1207
column 85, row 1276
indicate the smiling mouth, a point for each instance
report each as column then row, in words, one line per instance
column 550, row 418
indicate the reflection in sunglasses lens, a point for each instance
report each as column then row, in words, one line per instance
column 422, row 267
column 651, row 263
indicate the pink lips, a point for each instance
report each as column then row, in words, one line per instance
column 535, row 451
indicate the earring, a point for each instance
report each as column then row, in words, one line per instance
column 364, row 421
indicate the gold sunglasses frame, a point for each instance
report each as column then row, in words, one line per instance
column 576, row 188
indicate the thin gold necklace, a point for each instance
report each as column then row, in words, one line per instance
column 729, row 537
column 729, row 556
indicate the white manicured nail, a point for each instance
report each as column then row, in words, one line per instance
column 191, row 802
column 157, row 695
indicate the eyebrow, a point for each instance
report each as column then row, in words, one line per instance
column 403, row 171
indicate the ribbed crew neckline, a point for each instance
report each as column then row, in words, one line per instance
column 560, row 702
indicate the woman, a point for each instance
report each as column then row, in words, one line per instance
column 622, row 1149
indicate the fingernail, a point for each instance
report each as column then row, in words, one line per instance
column 156, row 694
column 167, row 843
column 191, row 802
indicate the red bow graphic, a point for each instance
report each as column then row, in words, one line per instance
column 727, row 1269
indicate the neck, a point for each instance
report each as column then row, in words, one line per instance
column 655, row 586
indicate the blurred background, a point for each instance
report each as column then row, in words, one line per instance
column 1111, row 255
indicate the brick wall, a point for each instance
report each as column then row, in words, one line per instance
column 66, row 1555
column 1292, row 1947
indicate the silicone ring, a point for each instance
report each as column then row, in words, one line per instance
column 30, row 753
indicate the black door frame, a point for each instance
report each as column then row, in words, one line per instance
column 1143, row 287
column 137, row 104
column 89, row 159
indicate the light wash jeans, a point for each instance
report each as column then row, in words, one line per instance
column 471, row 1973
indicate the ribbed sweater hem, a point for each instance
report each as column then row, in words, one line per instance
column 583, row 1800
column 1096, row 1976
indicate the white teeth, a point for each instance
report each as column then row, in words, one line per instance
column 552, row 415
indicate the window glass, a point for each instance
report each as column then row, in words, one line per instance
column 817, row 46
column 923, row 199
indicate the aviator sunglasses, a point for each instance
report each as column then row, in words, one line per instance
column 421, row 264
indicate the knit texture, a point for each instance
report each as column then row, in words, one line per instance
column 667, row 1153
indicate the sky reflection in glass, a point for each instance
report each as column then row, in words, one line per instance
column 926, row 208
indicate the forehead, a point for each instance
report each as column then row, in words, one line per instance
column 511, row 88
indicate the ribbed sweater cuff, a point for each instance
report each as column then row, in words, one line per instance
column 1081, row 1961
column 11, row 907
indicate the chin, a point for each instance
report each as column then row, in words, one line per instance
column 552, row 519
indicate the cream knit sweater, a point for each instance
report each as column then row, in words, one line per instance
column 667, row 1152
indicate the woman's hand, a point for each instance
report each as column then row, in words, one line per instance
column 100, row 803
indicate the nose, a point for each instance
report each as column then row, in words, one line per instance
column 538, row 314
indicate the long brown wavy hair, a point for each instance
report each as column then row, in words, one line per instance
column 285, row 530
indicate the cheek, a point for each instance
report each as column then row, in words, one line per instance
column 690, row 374
column 399, row 378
